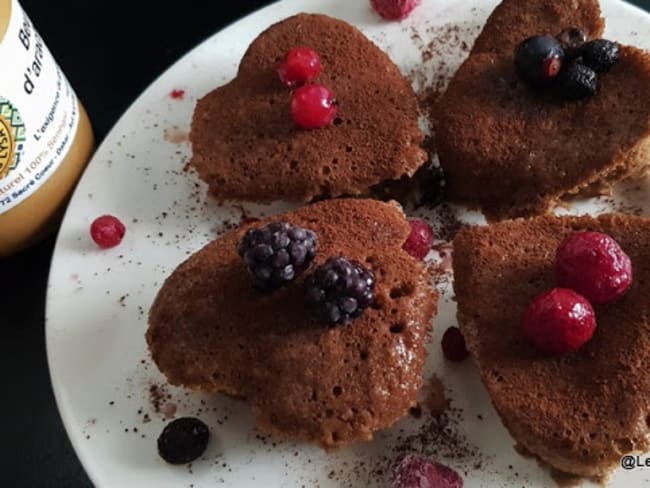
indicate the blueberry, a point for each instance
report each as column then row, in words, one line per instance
column 600, row 55
column 277, row 253
column 340, row 290
column 572, row 40
column 183, row 440
column 539, row 59
column 577, row 82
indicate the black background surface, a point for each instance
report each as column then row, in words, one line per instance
column 110, row 51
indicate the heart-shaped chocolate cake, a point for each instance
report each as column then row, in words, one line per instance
column 580, row 412
column 246, row 145
column 212, row 330
column 514, row 150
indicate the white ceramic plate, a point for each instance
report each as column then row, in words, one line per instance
column 98, row 300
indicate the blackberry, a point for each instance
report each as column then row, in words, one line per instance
column 183, row 440
column 341, row 289
column 277, row 253
column 577, row 81
column 600, row 55
column 572, row 40
column 539, row 59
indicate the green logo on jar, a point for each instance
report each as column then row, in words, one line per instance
column 12, row 137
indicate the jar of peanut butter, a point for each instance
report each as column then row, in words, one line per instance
column 45, row 135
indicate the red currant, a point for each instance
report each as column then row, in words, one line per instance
column 559, row 321
column 301, row 66
column 177, row 94
column 594, row 265
column 313, row 107
column 419, row 242
column 107, row 231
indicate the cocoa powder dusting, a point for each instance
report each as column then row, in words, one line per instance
column 440, row 437
column 157, row 396
column 626, row 206
column 447, row 223
column 440, row 57
column 442, row 50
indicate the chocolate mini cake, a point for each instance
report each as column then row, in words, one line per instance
column 578, row 412
column 211, row 330
column 516, row 151
column 246, row 146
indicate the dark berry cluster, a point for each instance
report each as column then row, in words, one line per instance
column 341, row 289
column 567, row 62
column 277, row 253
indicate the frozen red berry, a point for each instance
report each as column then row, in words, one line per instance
column 594, row 265
column 453, row 345
column 313, row 107
column 417, row 472
column 301, row 66
column 559, row 321
column 107, row 231
column 394, row 9
column 419, row 242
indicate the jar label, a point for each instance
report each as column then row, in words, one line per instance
column 39, row 113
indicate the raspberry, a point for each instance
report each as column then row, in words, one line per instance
column 341, row 290
column 539, row 59
column 183, row 440
column 419, row 242
column 559, row 321
column 107, row 231
column 600, row 55
column 277, row 253
column 394, row 9
column 594, row 265
column 301, row 65
column 417, row 472
column 313, row 107
column 453, row 345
